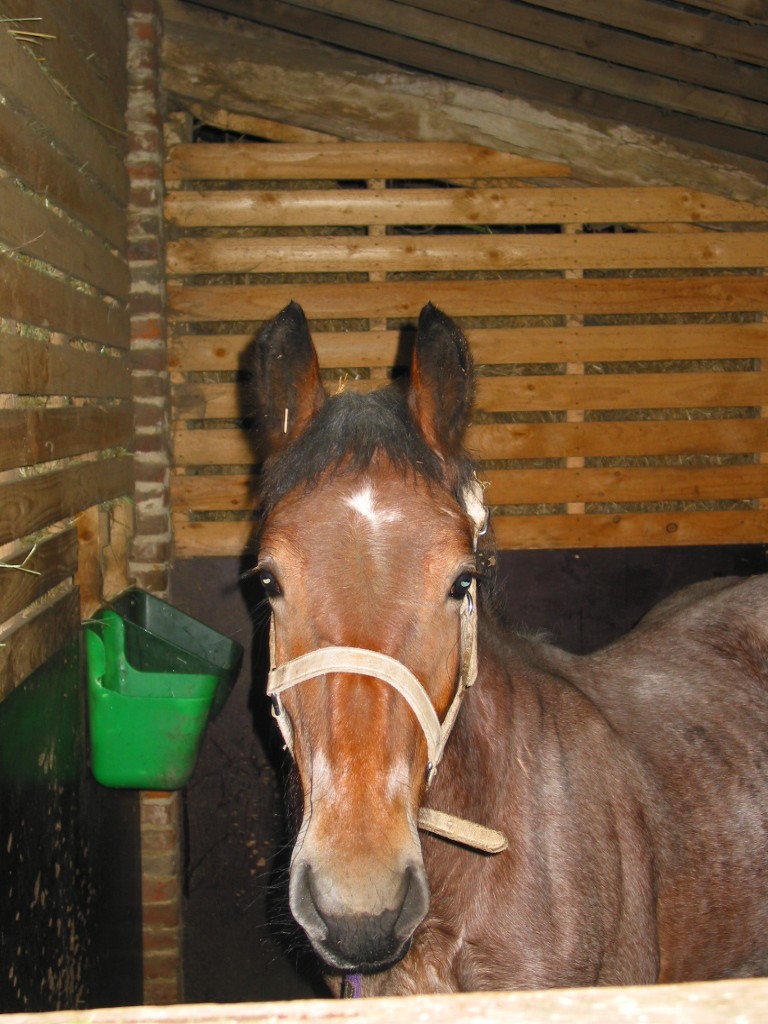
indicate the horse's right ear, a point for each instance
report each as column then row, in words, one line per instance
column 285, row 390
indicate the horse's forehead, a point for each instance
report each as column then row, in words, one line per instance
column 380, row 505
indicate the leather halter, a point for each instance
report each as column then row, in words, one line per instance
column 361, row 661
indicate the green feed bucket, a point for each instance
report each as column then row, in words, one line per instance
column 155, row 677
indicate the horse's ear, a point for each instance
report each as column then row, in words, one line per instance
column 285, row 390
column 442, row 382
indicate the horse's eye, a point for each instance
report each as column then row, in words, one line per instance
column 269, row 584
column 461, row 585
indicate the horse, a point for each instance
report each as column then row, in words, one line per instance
column 480, row 810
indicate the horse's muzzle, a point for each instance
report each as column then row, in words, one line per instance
column 361, row 941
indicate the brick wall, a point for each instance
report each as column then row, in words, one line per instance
column 152, row 542
column 151, row 551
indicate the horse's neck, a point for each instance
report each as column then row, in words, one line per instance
column 522, row 687
column 476, row 768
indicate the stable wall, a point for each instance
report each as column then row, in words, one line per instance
column 70, row 926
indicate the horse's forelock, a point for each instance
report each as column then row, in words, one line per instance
column 347, row 435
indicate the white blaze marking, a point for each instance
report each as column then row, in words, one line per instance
column 365, row 505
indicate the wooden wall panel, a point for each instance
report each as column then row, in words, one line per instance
column 65, row 373
column 619, row 334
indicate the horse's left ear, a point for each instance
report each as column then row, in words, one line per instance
column 442, row 382
column 286, row 390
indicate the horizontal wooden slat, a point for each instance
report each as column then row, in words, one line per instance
column 31, row 436
column 431, row 206
column 638, row 529
column 203, row 540
column 619, row 484
column 230, row 447
column 552, row 393
column 34, row 641
column 26, row 87
column 34, row 229
column 49, row 302
column 473, row 298
column 53, row 560
column 621, row 391
column 465, row 252
column 199, row 352
column 624, row 485
column 350, row 161
column 32, row 503
column 30, row 158
column 617, row 438
column 30, row 367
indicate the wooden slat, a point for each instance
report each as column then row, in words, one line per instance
column 551, row 393
column 622, row 391
column 431, row 206
column 719, row 1002
column 34, row 641
column 230, row 447
column 31, row 436
column 623, row 438
column 712, row 35
column 203, row 540
column 390, row 253
column 33, row 228
column 218, row 493
column 624, row 485
column 349, row 161
column 29, row 367
column 638, row 529
column 52, row 560
column 754, row 12
column 26, row 87
column 199, row 352
column 28, row 157
column 473, row 298
column 32, row 503
column 49, row 302
column 603, row 43
column 550, row 53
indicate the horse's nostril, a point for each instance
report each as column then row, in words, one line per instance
column 303, row 905
column 415, row 903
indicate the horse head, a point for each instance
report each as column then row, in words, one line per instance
column 366, row 556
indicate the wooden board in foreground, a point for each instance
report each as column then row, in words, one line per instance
column 719, row 1002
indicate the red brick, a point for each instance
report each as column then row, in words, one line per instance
column 162, row 915
column 159, row 890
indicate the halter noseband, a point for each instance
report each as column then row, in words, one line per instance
column 361, row 661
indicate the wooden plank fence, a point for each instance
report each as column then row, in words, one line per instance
column 619, row 334
column 66, row 420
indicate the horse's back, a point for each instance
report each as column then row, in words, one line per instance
column 688, row 692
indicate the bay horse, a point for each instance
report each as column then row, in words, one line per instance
column 600, row 819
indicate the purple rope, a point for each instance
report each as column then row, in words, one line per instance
column 353, row 986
